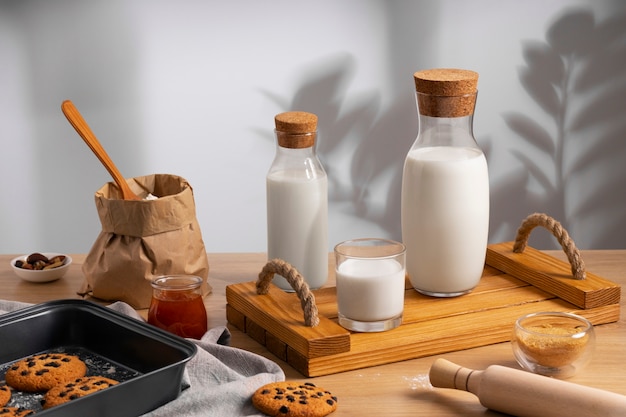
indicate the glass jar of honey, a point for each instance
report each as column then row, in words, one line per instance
column 177, row 305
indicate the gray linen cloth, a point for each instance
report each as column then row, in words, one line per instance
column 218, row 381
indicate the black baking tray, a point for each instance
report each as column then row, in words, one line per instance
column 148, row 362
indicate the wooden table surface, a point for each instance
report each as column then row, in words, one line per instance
column 392, row 390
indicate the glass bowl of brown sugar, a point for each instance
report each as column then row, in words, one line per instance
column 553, row 344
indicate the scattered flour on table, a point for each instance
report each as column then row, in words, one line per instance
column 418, row 381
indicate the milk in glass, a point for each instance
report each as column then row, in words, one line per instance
column 297, row 224
column 370, row 289
column 445, row 218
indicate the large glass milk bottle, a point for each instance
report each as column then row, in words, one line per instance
column 445, row 188
column 297, row 201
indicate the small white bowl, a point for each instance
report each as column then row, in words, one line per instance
column 44, row 275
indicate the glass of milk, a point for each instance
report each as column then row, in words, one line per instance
column 370, row 277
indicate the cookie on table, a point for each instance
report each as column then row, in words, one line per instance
column 15, row 412
column 293, row 399
column 5, row 395
column 41, row 372
column 75, row 389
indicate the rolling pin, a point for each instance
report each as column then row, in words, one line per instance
column 525, row 394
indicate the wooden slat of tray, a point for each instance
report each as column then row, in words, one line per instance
column 280, row 314
column 430, row 325
column 435, row 337
column 553, row 275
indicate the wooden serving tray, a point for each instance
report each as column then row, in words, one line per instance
column 513, row 284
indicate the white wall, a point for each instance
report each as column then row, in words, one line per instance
column 191, row 88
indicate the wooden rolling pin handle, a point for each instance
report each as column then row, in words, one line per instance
column 525, row 394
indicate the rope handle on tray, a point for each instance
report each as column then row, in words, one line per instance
column 297, row 282
column 567, row 243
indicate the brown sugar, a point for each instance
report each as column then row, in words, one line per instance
column 550, row 346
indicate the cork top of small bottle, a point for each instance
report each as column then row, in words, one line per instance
column 446, row 92
column 296, row 129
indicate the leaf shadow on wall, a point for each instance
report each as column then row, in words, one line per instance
column 576, row 162
column 362, row 155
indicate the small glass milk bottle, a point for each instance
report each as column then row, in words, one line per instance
column 297, row 201
column 445, row 188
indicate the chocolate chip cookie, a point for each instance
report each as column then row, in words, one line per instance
column 5, row 395
column 41, row 372
column 15, row 412
column 293, row 399
column 75, row 389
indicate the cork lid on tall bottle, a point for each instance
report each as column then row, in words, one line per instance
column 296, row 129
column 446, row 92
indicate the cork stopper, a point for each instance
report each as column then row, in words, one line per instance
column 296, row 129
column 446, row 92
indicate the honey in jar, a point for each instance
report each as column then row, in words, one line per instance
column 177, row 306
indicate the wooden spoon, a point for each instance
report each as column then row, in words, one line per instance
column 81, row 126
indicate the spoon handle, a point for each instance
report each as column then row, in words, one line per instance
column 81, row 126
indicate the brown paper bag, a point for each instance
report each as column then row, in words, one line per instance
column 141, row 240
